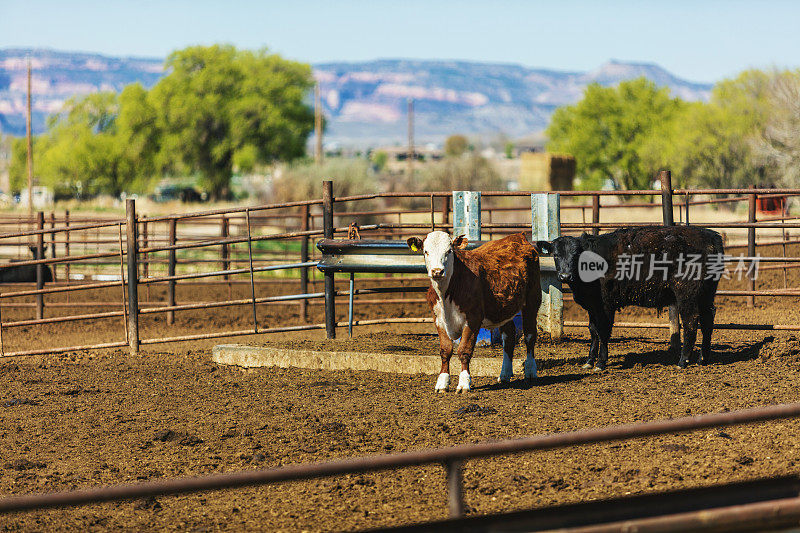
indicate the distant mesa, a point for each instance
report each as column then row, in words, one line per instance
column 365, row 102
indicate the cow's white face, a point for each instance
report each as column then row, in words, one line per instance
column 437, row 249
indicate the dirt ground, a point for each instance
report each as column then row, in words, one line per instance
column 88, row 418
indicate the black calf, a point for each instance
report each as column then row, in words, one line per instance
column 659, row 251
column 25, row 273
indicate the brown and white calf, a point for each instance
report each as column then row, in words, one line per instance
column 485, row 287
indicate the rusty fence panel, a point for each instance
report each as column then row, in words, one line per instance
column 304, row 220
column 453, row 457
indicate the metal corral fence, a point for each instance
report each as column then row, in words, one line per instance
column 749, row 506
column 269, row 246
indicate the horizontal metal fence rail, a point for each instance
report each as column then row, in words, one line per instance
column 227, row 211
column 214, row 335
column 31, row 233
column 783, row 514
column 151, row 243
column 453, row 458
column 714, row 508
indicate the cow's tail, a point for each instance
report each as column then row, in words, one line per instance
column 719, row 246
column 709, row 286
column 534, row 269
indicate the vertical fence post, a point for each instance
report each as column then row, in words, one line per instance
column 122, row 284
column 595, row 213
column 784, row 215
column 455, row 488
column 53, row 242
column 224, row 231
column 304, row 259
column 330, row 288
column 171, row 272
column 686, row 203
column 467, row 214
column 433, row 217
column 446, row 210
column 252, row 277
column 133, row 276
column 751, row 247
column 665, row 177
column 40, row 267
column 350, row 309
column 66, row 248
column 84, row 243
column 145, row 258
column 546, row 226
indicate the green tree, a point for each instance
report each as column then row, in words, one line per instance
column 379, row 160
column 711, row 144
column 610, row 130
column 455, row 145
column 302, row 180
column 509, row 150
column 17, row 165
column 100, row 143
column 6, row 142
column 138, row 139
column 77, row 154
column 777, row 144
column 220, row 106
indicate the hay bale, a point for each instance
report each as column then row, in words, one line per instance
column 544, row 171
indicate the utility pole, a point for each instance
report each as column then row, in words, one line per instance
column 30, row 145
column 410, row 156
column 318, row 124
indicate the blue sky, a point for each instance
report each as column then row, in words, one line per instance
column 697, row 40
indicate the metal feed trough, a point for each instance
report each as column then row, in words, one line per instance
column 371, row 256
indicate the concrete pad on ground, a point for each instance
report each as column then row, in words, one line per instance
column 266, row 356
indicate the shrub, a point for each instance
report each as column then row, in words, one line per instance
column 303, row 181
column 472, row 173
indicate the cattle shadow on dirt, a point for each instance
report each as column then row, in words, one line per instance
column 521, row 384
column 651, row 357
column 721, row 354
column 555, row 362
column 582, row 350
column 725, row 354
column 578, row 339
column 400, row 348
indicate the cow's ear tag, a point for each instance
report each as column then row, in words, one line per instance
column 414, row 244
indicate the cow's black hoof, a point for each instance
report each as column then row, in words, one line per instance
column 683, row 364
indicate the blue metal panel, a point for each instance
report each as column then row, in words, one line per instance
column 467, row 214
column 545, row 216
column 546, row 226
